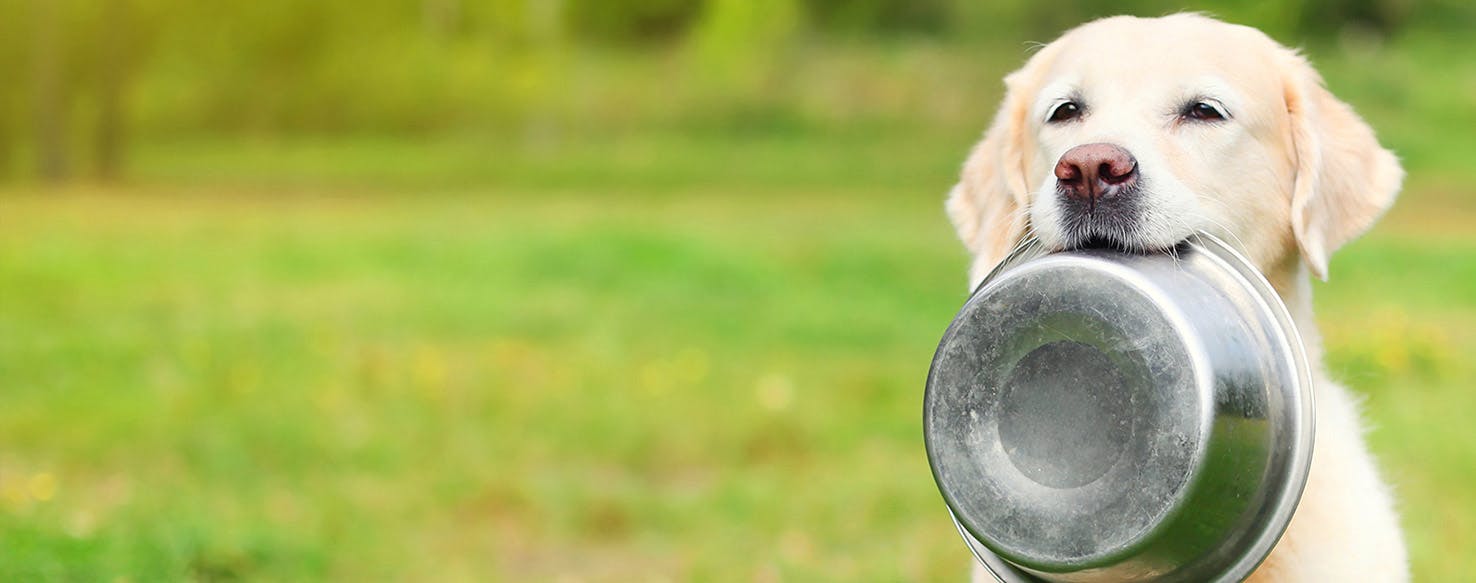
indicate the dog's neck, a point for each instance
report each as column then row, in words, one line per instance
column 1293, row 282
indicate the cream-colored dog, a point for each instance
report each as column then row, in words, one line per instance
column 1136, row 132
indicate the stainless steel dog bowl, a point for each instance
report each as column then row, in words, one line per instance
column 1101, row 416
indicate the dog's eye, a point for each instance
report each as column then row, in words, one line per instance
column 1066, row 111
column 1203, row 111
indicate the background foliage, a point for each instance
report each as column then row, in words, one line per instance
column 86, row 78
column 584, row 289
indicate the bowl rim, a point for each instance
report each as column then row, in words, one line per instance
column 1284, row 497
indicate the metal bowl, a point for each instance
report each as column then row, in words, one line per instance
column 1103, row 416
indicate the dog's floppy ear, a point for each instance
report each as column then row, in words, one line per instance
column 1345, row 179
column 987, row 205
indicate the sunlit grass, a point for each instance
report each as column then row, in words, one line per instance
column 713, row 385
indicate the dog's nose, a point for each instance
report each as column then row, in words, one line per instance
column 1094, row 171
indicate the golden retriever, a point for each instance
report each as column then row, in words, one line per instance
column 1137, row 132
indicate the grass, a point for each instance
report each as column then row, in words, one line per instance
column 680, row 355
column 712, row 386
column 376, row 388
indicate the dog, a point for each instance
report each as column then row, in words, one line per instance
column 1137, row 132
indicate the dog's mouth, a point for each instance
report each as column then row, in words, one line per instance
column 1103, row 242
column 1118, row 244
column 1116, row 227
column 1122, row 223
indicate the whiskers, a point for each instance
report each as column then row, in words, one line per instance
column 1028, row 237
column 1222, row 230
column 1134, row 230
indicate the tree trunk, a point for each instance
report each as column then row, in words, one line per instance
column 7, row 133
column 112, row 77
column 49, row 93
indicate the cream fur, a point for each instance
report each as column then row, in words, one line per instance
column 1291, row 176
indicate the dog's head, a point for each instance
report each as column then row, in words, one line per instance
column 1135, row 133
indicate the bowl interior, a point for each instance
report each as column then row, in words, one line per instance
column 1095, row 414
column 1066, row 413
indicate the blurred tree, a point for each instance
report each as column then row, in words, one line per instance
column 442, row 17
column 632, row 21
column 12, row 91
column 740, row 41
column 76, row 62
column 871, row 17
column 119, row 51
column 1322, row 17
column 1055, row 17
column 81, row 77
column 50, row 94
column 517, row 23
column 1457, row 15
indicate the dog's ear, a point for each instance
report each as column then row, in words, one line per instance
column 1344, row 180
column 987, row 206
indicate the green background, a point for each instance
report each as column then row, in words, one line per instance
column 584, row 290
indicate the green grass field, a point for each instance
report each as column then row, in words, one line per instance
column 701, row 384
column 674, row 357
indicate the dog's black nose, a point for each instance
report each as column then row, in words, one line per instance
column 1090, row 172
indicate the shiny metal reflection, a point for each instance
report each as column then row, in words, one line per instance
column 1101, row 416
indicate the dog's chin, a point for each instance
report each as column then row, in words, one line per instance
column 1114, row 230
column 1111, row 242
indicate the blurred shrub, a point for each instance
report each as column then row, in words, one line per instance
column 1331, row 16
column 84, row 76
column 737, row 41
column 873, row 17
column 627, row 22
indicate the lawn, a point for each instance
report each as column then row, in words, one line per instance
column 696, row 384
column 678, row 355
